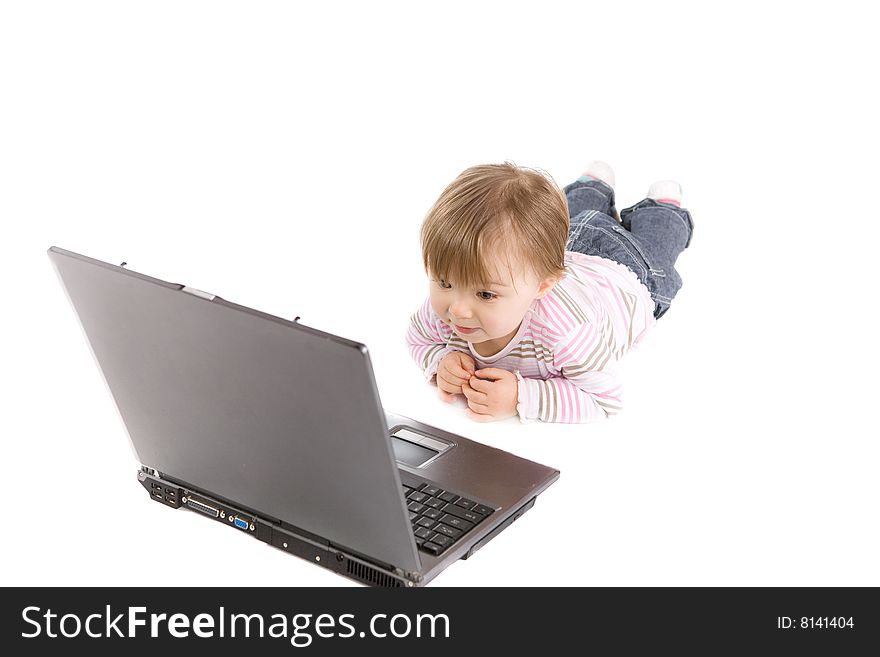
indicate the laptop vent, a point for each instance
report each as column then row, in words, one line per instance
column 371, row 575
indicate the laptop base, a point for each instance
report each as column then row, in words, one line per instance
column 504, row 525
column 289, row 539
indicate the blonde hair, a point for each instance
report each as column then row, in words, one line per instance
column 517, row 210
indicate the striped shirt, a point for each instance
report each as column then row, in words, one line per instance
column 567, row 347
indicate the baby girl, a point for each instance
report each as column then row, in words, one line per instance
column 536, row 293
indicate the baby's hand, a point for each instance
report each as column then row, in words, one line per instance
column 454, row 370
column 492, row 395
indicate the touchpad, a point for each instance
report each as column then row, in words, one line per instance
column 416, row 449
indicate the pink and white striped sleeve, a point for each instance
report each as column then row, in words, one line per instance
column 427, row 338
column 588, row 389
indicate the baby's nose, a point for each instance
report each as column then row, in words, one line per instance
column 460, row 311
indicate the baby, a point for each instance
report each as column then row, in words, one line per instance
column 535, row 295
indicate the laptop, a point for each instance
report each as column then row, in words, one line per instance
column 276, row 430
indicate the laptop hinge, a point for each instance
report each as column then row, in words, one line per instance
column 198, row 293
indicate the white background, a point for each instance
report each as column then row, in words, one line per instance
column 283, row 155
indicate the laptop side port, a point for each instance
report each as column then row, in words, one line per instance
column 160, row 491
column 201, row 507
column 176, row 496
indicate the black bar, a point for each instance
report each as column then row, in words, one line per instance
column 514, row 620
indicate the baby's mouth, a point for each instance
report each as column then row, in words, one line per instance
column 464, row 329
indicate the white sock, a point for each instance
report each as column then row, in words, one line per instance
column 598, row 170
column 666, row 191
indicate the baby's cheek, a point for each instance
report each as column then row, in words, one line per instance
column 498, row 326
column 441, row 312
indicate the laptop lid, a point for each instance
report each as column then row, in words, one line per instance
column 277, row 416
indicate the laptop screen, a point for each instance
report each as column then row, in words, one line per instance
column 267, row 413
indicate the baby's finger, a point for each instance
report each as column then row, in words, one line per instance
column 444, row 383
column 479, row 384
column 477, row 407
column 493, row 373
column 450, row 375
column 474, row 395
column 452, row 382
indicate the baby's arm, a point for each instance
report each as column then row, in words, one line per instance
column 588, row 389
column 426, row 339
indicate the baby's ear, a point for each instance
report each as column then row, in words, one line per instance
column 546, row 285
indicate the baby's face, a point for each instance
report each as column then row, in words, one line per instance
column 491, row 311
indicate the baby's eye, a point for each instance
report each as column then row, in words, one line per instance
column 443, row 284
column 490, row 296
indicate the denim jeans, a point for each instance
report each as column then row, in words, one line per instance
column 647, row 239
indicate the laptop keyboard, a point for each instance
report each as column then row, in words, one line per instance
column 440, row 518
